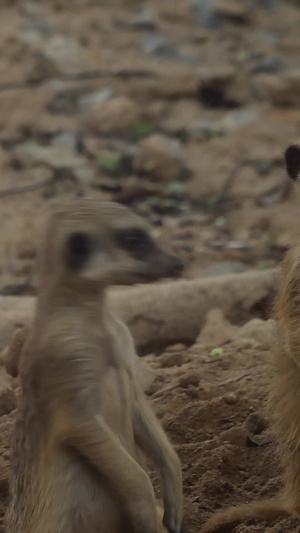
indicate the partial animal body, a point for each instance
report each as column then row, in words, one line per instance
column 284, row 396
column 82, row 418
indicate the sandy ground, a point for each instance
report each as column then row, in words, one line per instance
column 83, row 91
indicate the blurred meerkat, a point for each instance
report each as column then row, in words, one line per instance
column 11, row 357
column 284, row 395
column 82, row 418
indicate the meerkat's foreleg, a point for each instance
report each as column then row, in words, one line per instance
column 152, row 439
column 95, row 441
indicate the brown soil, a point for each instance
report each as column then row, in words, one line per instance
column 215, row 73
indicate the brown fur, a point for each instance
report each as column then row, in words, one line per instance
column 12, row 356
column 284, row 395
column 82, row 417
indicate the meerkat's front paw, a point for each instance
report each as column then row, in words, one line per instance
column 173, row 522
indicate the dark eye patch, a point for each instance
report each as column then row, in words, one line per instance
column 79, row 248
column 135, row 240
column 292, row 161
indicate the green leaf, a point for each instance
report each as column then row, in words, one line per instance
column 175, row 187
column 216, row 352
column 262, row 265
column 142, row 128
column 109, row 163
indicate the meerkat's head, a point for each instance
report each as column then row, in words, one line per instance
column 102, row 243
column 292, row 161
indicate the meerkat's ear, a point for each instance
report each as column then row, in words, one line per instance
column 292, row 161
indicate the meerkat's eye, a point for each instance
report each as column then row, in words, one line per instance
column 135, row 241
column 79, row 247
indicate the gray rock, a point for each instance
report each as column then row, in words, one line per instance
column 63, row 53
column 204, row 14
column 60, row 155
column 207, row 128
column 66, row 95
column 34, row 30
column 223, row 268
column 236, row 119
column 66, row 140
column 269, row 36
column 159, row 46
column 269, row 64
column 88, row 100
column 143, row 19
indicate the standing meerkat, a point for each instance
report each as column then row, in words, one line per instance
column 82, row 418
column 284, row 395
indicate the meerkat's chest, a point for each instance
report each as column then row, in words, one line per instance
column 116, row 388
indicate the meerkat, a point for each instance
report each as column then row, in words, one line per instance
column 284, row 394
column 82, row 417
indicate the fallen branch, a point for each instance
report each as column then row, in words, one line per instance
column 79, row 76
column 167, row 313
column 26, row 188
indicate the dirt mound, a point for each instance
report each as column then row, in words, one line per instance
column 213, row 410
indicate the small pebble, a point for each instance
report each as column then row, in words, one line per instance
column 231, row 398
column 236, row 435
column 256, row 423
column 189, row 379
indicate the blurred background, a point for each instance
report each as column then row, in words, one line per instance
column 179, row 109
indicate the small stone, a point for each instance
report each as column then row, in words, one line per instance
column 236, row 435
column 67, row 140
column 115, row 115
column 256, row 423
column 161, row 158
column 65, row 55
column 59, row 156
column 240, row 117
column 204, row 14
column 189, row 379
column 143, row 19
column 269, row 65
column 206, row 128
column 35, row 29
column 159, row 46
column 231, row 398
column 66, row 95
column 172, row 359
column 86, row 101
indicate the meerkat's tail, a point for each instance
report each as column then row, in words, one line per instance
column 225, row 521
